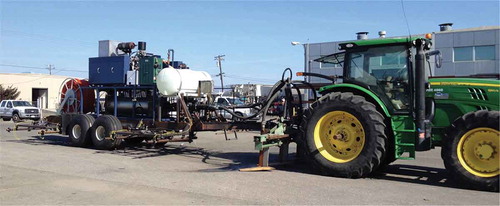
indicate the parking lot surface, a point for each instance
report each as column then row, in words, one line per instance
column 36, row 170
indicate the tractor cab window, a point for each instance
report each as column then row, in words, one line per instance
column 384, row 71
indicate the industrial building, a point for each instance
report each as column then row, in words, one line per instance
column 40, row 89
column 472, row 51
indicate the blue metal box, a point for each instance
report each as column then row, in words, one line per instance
column 108, row 70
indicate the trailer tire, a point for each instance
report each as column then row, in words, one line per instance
column 79, row 130
column 101, row 131
column 6, row 118
column 471, row 150
column 344, row 135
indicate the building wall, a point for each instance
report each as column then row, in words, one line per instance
column 25, row 83
column 472, row 40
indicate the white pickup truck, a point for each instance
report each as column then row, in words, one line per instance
column 232, row 101
column 18, row 110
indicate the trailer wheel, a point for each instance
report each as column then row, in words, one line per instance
column 101, row 132
column 79, row 130
column 344, row 135
column 470, row 150
column 6, row 119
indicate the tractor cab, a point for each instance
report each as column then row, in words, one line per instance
column 382, row 66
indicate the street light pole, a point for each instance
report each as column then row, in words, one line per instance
column 307, row 62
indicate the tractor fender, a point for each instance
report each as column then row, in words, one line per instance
column 358, row 90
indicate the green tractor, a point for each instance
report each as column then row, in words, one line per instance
column 386, row 109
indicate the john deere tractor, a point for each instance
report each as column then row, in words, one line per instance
column 386, row 108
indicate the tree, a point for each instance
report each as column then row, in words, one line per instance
column 9, row 92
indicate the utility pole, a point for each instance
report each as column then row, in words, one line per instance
column 220, row 58
column 50, row 67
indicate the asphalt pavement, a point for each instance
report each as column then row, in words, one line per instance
column 48, row 171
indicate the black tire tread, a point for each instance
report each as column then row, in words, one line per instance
column 17, row 119
column 85, row 122
column 114, row 124
column 372, row 160
column 457, row 129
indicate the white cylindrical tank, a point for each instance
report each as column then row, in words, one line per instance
column 171, row 82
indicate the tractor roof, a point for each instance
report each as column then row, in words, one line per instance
column 374, row 42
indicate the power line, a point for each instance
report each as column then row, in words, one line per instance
column 20, row 66
column 44, row 68
column 33, row 79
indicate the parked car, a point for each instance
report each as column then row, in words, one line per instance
column 232, row 101
column 18, row 110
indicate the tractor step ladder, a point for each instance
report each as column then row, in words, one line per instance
column 404, row 137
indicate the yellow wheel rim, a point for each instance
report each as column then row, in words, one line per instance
column 339, row 136
column 478, row 152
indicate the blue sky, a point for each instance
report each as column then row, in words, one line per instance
column 255, row 36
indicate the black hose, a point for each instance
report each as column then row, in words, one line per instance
column 300, row 99
column 309, row 85
column 283, row 75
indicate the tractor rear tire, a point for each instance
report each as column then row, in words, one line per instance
column 344, row 135
column 101, row 132
column 471, row 150
column 79, row 130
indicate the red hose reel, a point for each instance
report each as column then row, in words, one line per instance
column 71, row 96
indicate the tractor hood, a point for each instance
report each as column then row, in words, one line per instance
column 469, row 93
column 473, row 82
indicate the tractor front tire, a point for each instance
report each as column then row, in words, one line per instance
column 101, row 132
column 470, row 150
column 343, row 135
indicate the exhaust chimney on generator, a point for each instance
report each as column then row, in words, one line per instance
column 142, row 46
column 382, row 34
column 362, row 35
column 445, row 26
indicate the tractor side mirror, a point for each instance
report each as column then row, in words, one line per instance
column 438, row 58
